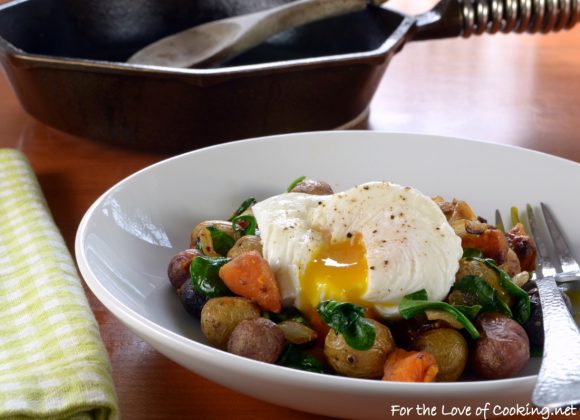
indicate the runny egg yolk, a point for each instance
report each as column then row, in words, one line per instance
column 336, row 272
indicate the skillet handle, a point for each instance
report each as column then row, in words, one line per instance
column 451, row 18
column 445, row 20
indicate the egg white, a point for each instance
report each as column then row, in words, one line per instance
column 288, row 239
column 409, row 243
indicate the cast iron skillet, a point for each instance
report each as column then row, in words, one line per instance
column 65, row 61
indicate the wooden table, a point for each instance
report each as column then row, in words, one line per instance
column 522, row 90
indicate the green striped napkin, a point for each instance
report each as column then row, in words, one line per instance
column 53, row 364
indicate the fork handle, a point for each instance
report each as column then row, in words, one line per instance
column 558, row 383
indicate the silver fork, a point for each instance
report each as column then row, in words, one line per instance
column 558, row 383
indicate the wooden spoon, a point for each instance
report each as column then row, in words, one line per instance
column 216, row 41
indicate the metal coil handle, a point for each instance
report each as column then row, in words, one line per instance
column 518, row 16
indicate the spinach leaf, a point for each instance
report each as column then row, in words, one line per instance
column 416, row 303
column 470, row 312
column 295, row 357
column 222, row 242
column 348, row 319
column 418, row 295
column 294, row 183
column 472, row 253
column 246, row 204
column 204, row 273
column 522, row 306
column 486, row 296
column 248, row 225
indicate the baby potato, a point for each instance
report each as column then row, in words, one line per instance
column 178, row 267
column 296, row 332
column 359, row 363
column 221, row 315
column 311, row 186
column 503, row 348
column 480, row 269
column 258, row 339
column 192, row 301
column 449, row 349
column 245, row 244
column 201, row 236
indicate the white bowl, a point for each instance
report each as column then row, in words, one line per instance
column 129, row 234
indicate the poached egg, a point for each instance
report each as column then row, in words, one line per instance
column 369, row 245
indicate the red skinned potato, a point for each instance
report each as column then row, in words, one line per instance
column 258, row 339
column 178, row 268
column 312, row 186
column 503, row 348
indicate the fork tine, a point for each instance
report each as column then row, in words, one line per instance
column 499, row 221
column 500, row 225
column 544, row 266
column 515, row 214
column 567, row 261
